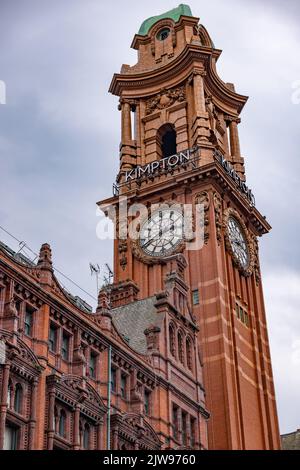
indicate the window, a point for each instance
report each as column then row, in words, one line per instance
column 18, row 399
column 195, row 294
column 184, row 429
column 180, row 348
column 86, row 437
column 163, row 34
column 92, row 368
column 167, row 141
column 172, row 340
column 28, row 321
column 147, row 394
column 189, row 355
column 65, row 347
column 52, row 338
column 123, row 385
column 175, row 421
column 11, row 435
column 62, row 424
column 113, row 380
column 242, row 315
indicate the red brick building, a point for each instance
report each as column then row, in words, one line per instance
column 176, row 354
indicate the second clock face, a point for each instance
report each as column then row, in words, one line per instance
column 238, row 242
column 162, row 233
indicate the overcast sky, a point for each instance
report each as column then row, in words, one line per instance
column 60, row 131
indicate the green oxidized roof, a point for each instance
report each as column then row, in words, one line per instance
column 175, row 14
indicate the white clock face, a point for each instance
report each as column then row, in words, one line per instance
column 238, row 242
column 162, row 232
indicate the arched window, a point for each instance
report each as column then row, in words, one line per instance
column 166, row 139
column 62, row 424
column 172, row 340
column 180, row 348
column 86, row 437
column 18, row 399
column 189, row 354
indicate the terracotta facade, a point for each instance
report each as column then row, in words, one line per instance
column 187, row 333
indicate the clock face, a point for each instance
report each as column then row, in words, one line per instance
column 162, row 232
column 238, row 242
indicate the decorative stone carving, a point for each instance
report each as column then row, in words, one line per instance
column 203, row 198
column 165, row 99
column 256, row 266
column 218, row 215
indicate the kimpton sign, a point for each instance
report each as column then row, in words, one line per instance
column 233, row 174
column 160, row 166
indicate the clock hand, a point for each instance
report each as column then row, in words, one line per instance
column 162, row 232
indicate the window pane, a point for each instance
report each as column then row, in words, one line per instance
column 86, row 437
column 18, row 399
column 196, row 297
column 113, row 380
column 147, row 402
column 93, row 365
column 28, row 321
column 10, row 438
column 65, row 347
column 52, row 338
column 123, row 385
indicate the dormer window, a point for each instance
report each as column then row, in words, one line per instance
column 163, row 34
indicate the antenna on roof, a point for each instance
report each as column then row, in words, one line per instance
column 110, row 274
column 95, row 269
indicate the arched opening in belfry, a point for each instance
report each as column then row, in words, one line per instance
column 167, row 144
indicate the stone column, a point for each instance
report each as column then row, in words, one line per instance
column 76, row 435
column 51, row 424
column 126, row 121
column 236, row 158
column 99, row 435
column 179, row 424
column 115, row 439
column 137, row 126
column 3, row 405
column 234, row 138
column 200, row 125
column 32, row 422
column 199, row 93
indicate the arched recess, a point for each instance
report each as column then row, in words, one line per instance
column 166, row 141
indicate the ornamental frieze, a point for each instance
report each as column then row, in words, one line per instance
column 203, row 199
column 218, row 215
column 165, row 99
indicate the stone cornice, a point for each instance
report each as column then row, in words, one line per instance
column 210, row 173
column 181, row 68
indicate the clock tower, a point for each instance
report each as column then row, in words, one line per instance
column 180, row 148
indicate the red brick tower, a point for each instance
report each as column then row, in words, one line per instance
column 173, row 101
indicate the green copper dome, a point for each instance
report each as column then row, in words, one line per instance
column 175, row 14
